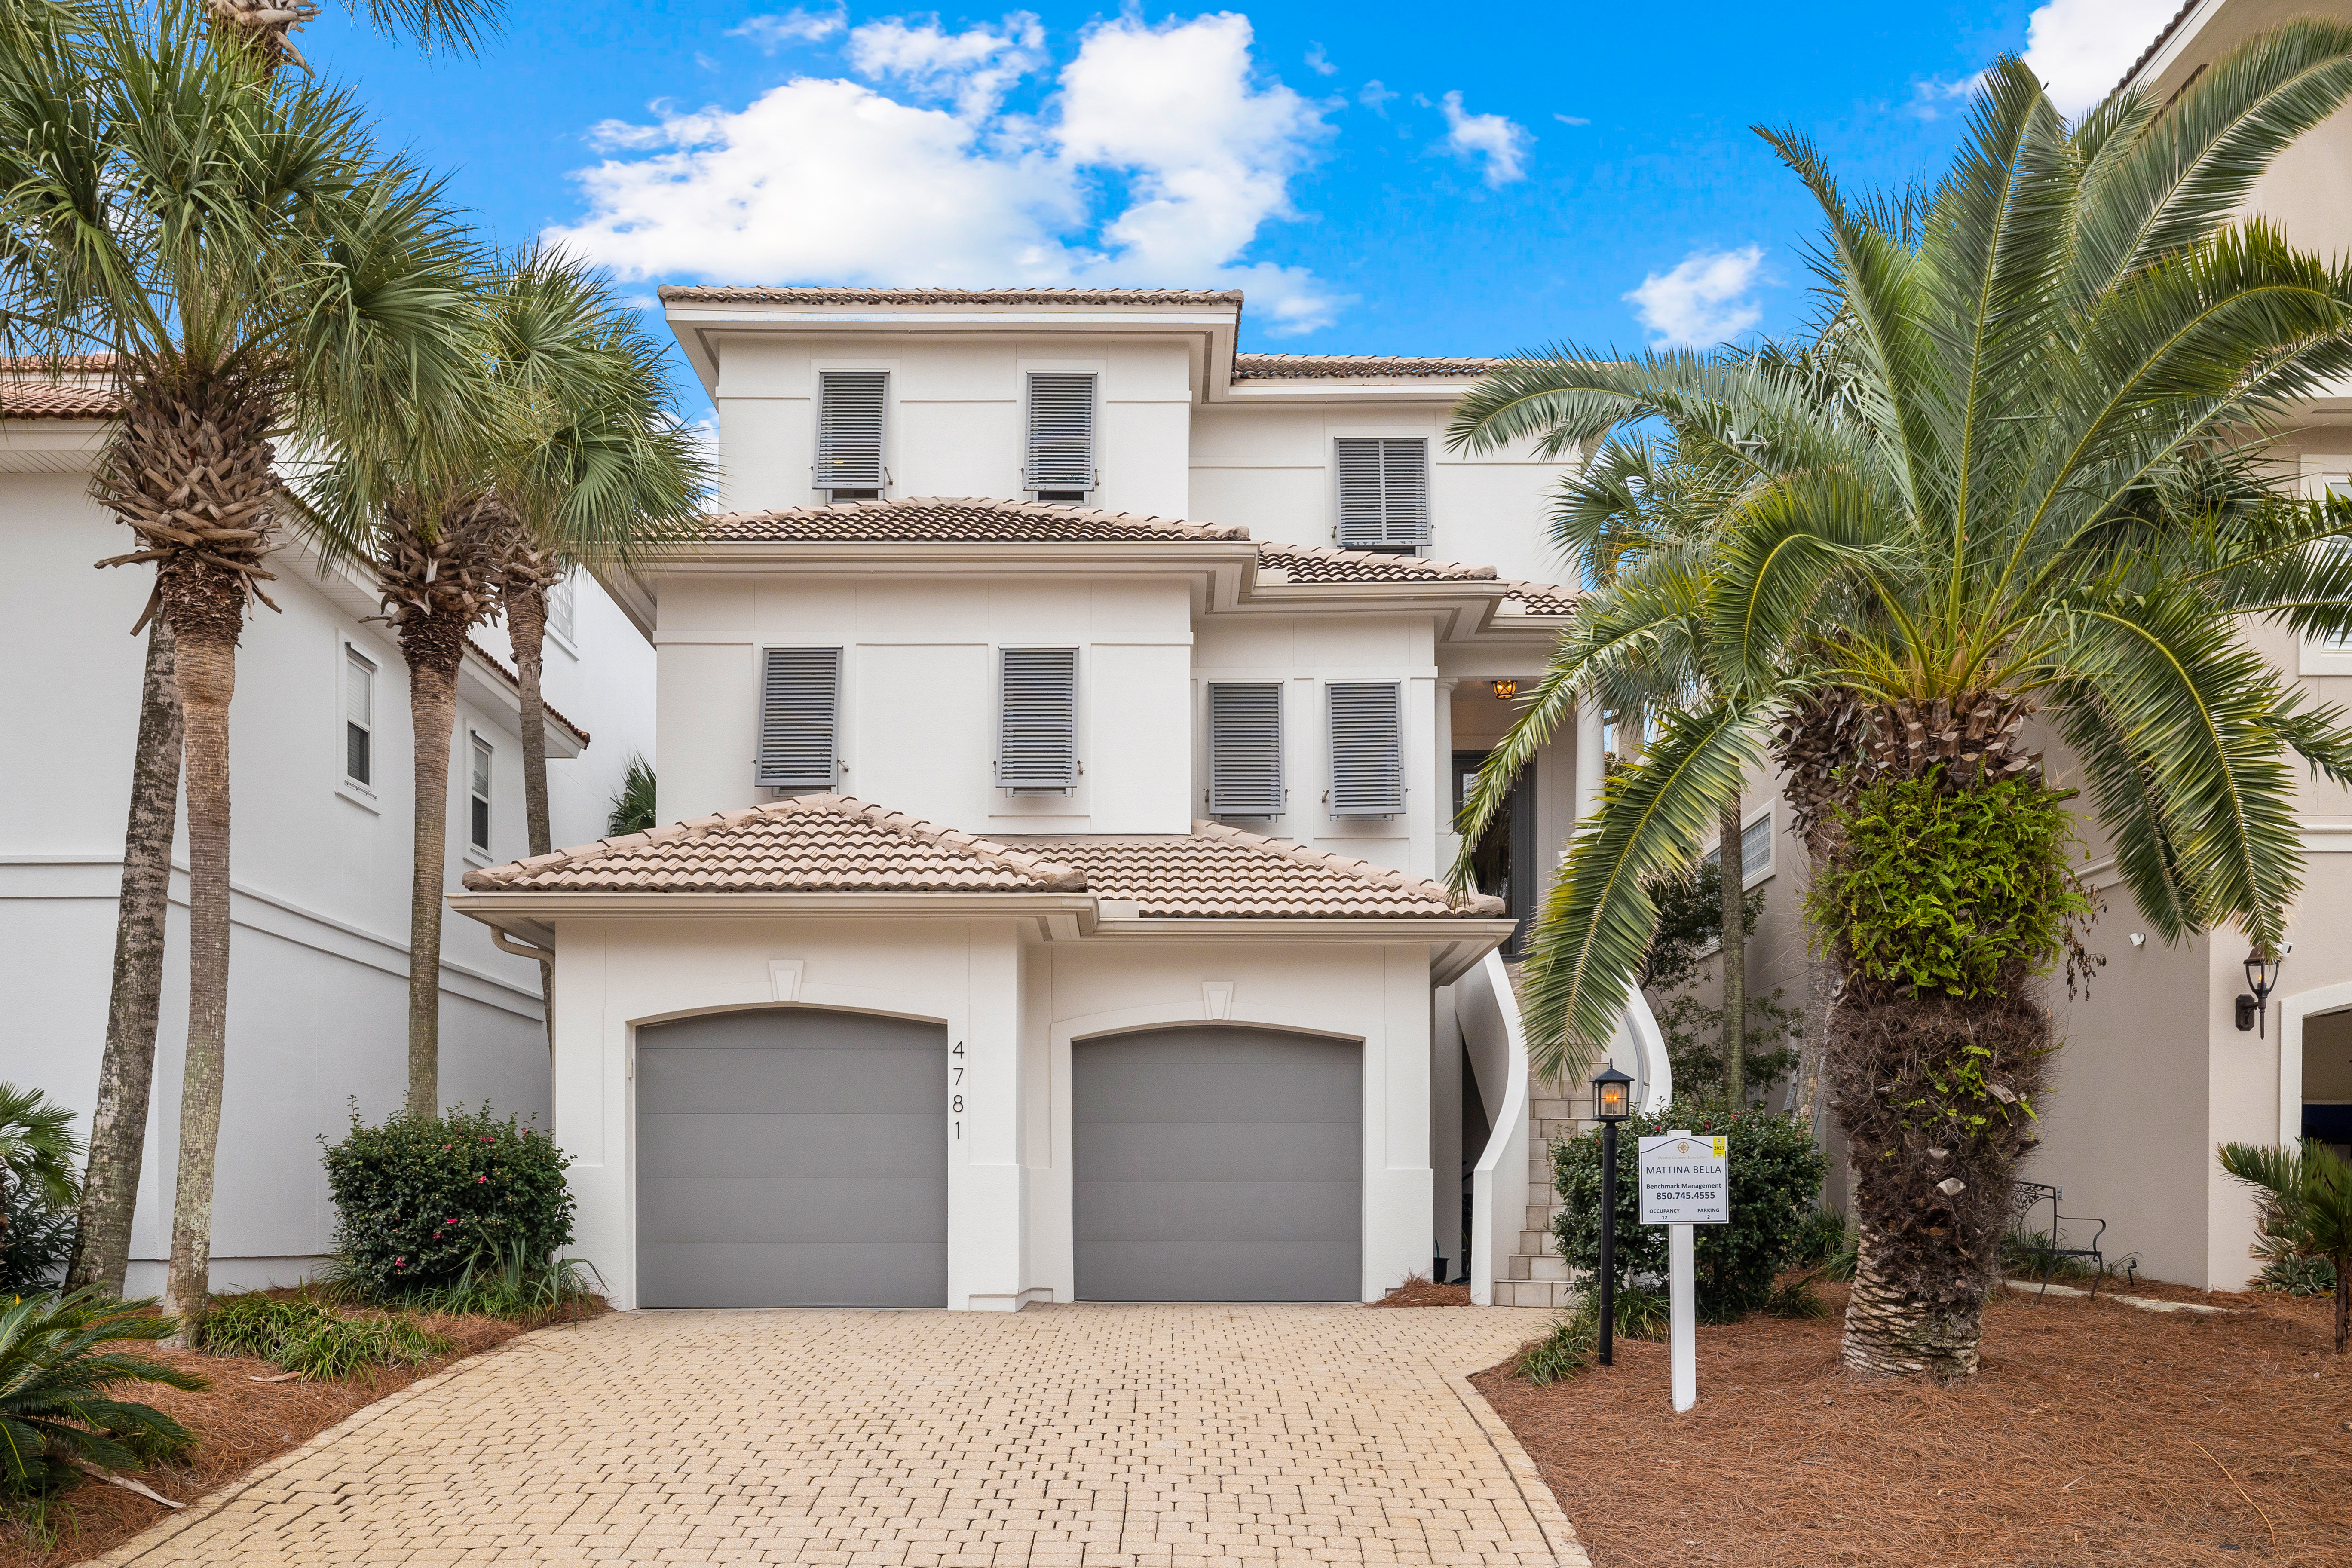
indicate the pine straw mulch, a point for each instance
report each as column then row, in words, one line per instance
column 1418, row 1291
column 240, row 1423
column 2078, row 1443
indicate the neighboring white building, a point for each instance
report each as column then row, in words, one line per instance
column 318, row 984
column 1060, row 729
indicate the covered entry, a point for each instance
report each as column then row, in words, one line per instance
column 1219, row 1164
column 792, row 1157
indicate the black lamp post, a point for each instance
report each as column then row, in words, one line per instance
column 1613, row 1101
column 2262, row 977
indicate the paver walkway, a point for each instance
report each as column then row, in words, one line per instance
column 1089, row 1435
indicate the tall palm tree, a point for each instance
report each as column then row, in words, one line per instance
column 570, row 454
column 258, row 272
column 612, row 478
column 1982, row 500
column 119, row 1121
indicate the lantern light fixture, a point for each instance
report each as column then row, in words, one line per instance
column 1505, row 689
column 1612, row 1095
column 2262, row 979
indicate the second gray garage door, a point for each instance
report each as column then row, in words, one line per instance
column 793, row 1158
column 1219, row 1164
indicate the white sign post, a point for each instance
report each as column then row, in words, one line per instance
column 1686, row 1181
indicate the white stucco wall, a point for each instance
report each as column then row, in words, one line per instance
column 1017, row 1006
column 319, row 901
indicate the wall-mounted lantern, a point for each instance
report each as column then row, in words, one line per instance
column 2261, row 976
column 1505, row 689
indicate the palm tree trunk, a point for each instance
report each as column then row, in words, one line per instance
column 433, row 715
column 1729, row 865
column 205, row 666
column 126, row 1074
column 525, row 608
column 1890, row 1332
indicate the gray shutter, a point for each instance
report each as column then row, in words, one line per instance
column 1367, row 748
column 1383, row 492
column 849, row 428
column 1061, row 431
column 1037, row 718
column 1246, row 749
column 800, row 704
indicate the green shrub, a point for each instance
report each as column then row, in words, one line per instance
column 423, row 1201
column 1823, row 1237
column 1796, row 1298
column 2292, row 1276
column 518, row 1288
column 55, row 1400
column 1776, row 1183
column 1566, row 1349
column 1643, row 1313
column 304, row 1334
column 1937, row 889
column 37, row 1242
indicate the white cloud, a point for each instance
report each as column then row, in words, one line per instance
column 786, row 28
column 1571, row 119
column 1703, row 301
column 974, row 68
column 1503, row 145
column 1375, row 98
column 1935, row 97
column 837, row 181
column 2080, row 47
column 1318, row 62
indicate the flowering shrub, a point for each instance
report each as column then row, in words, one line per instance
column 422, row 1197
column 1776, row 1181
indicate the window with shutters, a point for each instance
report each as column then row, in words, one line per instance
column 1367, row 720
column 1755, row 852
column 564, row 609
column 1038, row 720
column 800, row 708
column 478, row 795
column 359, row 718
column 1246, row 749
column 1384, row 493
column 849, row 410
column 1060, row 465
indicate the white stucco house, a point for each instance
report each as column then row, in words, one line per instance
column 320, row 759
column 1060, row 729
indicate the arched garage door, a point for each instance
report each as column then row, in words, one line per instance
column 1219, row 1164
column 793, row 1158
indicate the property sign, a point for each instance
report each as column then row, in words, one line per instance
column 1685, row 1180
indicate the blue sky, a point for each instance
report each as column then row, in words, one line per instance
column 1378, row 178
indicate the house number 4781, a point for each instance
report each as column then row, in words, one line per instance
column 955, row 1086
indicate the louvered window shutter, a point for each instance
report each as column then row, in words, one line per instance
column 800, row 705
column 1367, row 748
column 1061, row 432
column 1384, row 493
column 1037, row 718
column 849, row 428
column 1246, row 749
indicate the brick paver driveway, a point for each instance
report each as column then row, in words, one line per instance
column 1076, row 1434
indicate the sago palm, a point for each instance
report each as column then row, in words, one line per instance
column 37, row 1150
column 258, row 272
column 58, row 1373
column 1981, row 498
column 568, row 453
column 2307, row 1210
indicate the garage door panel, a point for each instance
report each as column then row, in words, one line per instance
column 1232, row 1152
column 746, row 1274
column 792, row 1158
column 738, row 1080
column 1218, row 1164
column 1222, row 1092
column 1245, row 1271
column 813, row 1143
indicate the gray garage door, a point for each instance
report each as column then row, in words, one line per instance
column 1219, row 1165
column 794, row 1158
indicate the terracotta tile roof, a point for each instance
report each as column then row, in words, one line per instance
column 1358, row 367
column 728, row 294
column 811, row 844
column 956, row 519
column 32, row 388
column 837, row 844
column 2155, row 44
column 500, row 668
column 1320, row 564
column 1223, row 873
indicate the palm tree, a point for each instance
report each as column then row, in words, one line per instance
column 1984, row 497
column 119, row 1122
column 2307, row 1210
column 258, row 272
column 37, row 1149
column 265, row 27
column 571, row 454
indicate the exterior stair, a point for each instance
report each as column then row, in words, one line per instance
column 1538, row 1274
